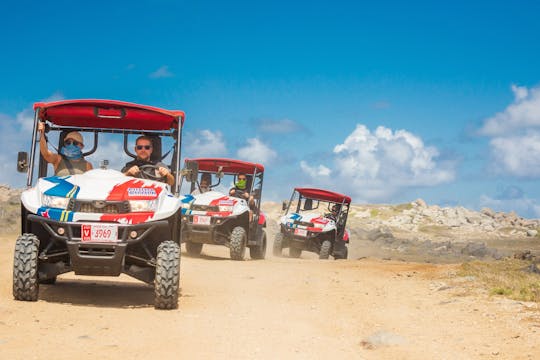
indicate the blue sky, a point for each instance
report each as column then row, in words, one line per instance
column 386, row 101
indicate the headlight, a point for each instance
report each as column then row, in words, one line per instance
column 142, row 205
column 320, row 226
column 54, row 201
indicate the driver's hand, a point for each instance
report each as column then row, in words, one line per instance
column 163, row 171
column 133, row 171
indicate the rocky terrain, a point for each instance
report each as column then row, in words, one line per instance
column 417, row 231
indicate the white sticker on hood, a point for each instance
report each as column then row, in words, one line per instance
column 141, row 192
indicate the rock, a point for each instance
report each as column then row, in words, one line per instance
column 381, row 233
column 532, row 232
column 533, row 268
column 475, row 249
column 524, row 255
column 488, row 212
column 420, row 203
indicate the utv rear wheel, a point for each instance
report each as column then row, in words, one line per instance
column 326, row 246
column 167, row 280
column 295, row 252
column 258, row 252
column 237, row 245
column 25, row 268
column 193, row 248
column 278, row 245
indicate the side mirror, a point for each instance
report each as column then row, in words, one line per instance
column 284, row 205
column 191, row 171
column 22, row 161
column 308, row 204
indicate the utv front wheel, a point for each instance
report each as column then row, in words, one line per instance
column 238, row 243
column 25, row 268
column 194, row 248
column 258, row 252
column 278, row 245
column 326, row 246
column 167, row 280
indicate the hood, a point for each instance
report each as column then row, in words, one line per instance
column 97, row 189
column 213, row 203
column 311, row 221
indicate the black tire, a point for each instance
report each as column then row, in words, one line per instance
column 294, row 252
column 278, row 245
column 25, row 268
column 49, row 281
column 258, row 252
column 237, row 244
column 326, row 247
column 193, row 249
column 167, row 280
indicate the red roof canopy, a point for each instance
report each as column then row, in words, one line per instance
column 324, row 195
column 108, row 114
column 230, row 166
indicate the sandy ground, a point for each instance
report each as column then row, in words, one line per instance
column 278, row 308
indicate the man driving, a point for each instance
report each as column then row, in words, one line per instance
column 143, row 150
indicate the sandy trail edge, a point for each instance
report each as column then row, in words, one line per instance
column 276, row 308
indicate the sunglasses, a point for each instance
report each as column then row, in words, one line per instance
column 242, row 179
column 74, row 142
column 146, row 147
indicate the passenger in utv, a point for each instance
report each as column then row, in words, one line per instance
column 240, row 191
column 70, row 161
column 204, row 185
column 143, row 150
column 334, row 213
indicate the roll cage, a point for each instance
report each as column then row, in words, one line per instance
column 106, row 116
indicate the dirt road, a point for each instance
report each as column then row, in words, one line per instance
column 278, row 308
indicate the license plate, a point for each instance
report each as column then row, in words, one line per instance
column 99, row 232
column 201, row 220
column 300, row 232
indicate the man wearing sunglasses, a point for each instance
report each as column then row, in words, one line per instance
column 70, row 161
column 143, row 150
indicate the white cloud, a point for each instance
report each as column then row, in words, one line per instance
column 515, row 135
column 314, row 172
column 517, row 155
column 162, row 72
column 205, row 143
column 523, row 113
column 257, row 151
column 284, row 126
column 374, row 166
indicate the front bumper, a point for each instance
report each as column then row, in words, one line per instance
column 216, row 232
column 94, row 258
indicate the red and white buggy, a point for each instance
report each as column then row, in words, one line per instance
column 314, row 221
column 215, row 217
column 100, row 222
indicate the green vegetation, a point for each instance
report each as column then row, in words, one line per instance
column 374, row 212
column 505, row 277
column 402, row 207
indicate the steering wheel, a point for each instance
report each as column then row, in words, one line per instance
column 148, row 172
